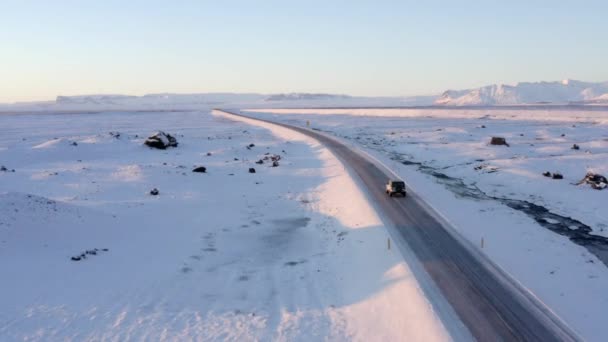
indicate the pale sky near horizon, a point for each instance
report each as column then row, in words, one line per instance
column 379, row 48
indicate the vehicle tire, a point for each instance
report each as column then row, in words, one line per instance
column 390, row 194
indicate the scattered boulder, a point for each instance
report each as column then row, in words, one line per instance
column 275, row 163
column 154, row 192
column 576, row 147
column 208, row 154
column 486, row 168
column 547, row 174
column 557, row 175
column 250, row 146
column 161, row 140
column 596, row 181
column 260, row 162
column 74, row 143
column 499, row 141
column 251, row 170
column 483, row 126
column 272, row 157
column 84, row 254
column 200, row 169
column 114, row 134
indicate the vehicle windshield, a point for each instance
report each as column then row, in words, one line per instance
column 398, row 185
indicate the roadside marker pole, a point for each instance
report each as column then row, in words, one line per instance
column 482, row 242
column 388, row 241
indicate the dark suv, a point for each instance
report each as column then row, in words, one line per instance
column 395, row 187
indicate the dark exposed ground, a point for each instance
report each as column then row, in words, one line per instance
column 575, row 230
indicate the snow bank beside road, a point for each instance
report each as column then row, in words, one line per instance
column 399, row 307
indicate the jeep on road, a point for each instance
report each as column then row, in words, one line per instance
column 395, row 187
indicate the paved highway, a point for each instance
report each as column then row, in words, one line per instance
column 491, row 305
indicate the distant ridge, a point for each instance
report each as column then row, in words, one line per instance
column 564, row 92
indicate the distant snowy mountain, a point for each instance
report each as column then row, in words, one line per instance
column 162, row 100
column 93, row 99
column 205, row 101
column 564, row 92
column 305, row 96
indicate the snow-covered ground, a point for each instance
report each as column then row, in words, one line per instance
column 292, row 252
column 548, row 234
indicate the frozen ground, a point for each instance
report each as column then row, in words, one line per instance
column 549, row 234
column 287, row 253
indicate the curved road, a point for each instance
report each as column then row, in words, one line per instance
column 491, row 305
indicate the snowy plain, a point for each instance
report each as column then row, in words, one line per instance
column 293, row 252
column 533, row 227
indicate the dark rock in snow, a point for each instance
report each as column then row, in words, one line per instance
column 260, row 162
column 498, row 141
column 597, row 182
column 75, row 258
column 275, row 163
column 576, row 147
column 251, row 170
column 154, row 192
column 74, row 143
column 547, row 174
column 208, row 154
column 161, row 140
column 200, row 169
column 557, row 175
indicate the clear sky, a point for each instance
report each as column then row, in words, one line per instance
column 391, row 48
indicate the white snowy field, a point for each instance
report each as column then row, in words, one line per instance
column 292, row 252
column 549, row 234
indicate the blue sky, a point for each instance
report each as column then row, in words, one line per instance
column 388, row 48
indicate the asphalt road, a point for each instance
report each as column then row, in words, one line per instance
column 490, row 304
